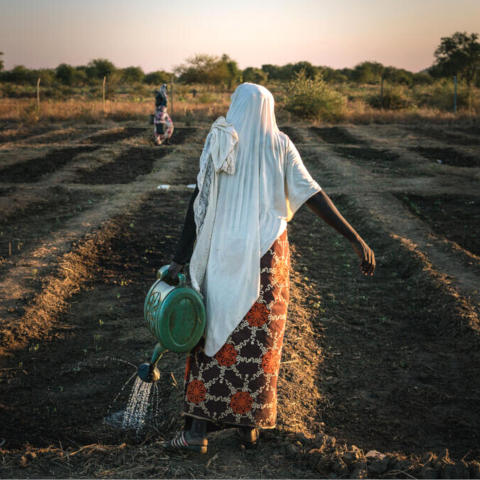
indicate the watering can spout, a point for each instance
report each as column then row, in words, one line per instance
column 148, row 371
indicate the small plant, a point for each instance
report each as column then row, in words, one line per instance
column 314, row 99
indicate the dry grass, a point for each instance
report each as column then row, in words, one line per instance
column 22, row 110
column 203, row 108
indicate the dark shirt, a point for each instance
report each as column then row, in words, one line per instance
column 160, row 100
column 189, row 234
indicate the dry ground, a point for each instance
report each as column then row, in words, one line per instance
column 389, row 363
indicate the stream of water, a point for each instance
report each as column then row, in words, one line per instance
column 143, row 403
column 137, row 406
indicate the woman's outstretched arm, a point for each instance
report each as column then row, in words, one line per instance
column 185, row 245
column 322, row 205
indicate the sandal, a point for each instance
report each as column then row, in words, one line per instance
column 179, row 442
column 249, row 436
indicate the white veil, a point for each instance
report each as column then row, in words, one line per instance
column 247, row 209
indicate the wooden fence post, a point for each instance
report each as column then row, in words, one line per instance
column 455, row 94
column 381, row 90
column 103, row 93
column 38, row 96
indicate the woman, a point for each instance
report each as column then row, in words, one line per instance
column 163, row 125
column 251, row 182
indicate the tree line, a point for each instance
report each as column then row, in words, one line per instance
column 458, row 55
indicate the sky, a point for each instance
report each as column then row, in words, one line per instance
column 160, row 34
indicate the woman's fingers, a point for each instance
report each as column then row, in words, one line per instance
column 173, row 271
column 368, row 260
column 370, row 266
column 367, row 257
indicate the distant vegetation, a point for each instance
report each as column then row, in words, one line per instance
column 304, row 90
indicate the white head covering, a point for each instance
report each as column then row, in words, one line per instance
column 251, row 181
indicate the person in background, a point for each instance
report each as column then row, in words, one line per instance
column 251, row 182
column 162, row 123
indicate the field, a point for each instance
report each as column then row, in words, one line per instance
column 388, row 364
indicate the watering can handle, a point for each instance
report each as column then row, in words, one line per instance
column 162, row 273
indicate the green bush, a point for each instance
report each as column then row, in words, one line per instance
column 440, row 96
column 394, row 98
column 313, row 99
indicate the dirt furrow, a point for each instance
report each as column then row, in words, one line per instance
column 387, row 363
column 32, row 170
column 47, row 212
column 399, row 350
column 400, row 221
column 24, row 279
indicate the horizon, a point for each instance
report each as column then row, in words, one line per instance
column 156, row 35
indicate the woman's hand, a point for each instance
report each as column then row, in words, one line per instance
column 173, row 270
column 366, row 256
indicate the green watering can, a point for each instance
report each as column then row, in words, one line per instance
column 175, row 314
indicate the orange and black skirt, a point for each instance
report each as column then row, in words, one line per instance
column 238, row 386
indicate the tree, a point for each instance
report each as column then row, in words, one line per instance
column 274, row 72
column 132, row 75
column 65, row 74
column 234, row 73
column 309, row 70
column 46, row 76
column 197, row 69
column 331, row 75
column 398, row 75
column 81, row 75
column 209, row 69
column 157, row 78
column 99, row 68
column 368, row 72
column 422, row 78
column 1, row 62
column 20, row 75
column 313, row 99
column 254, row 75
column 458, row 55
column 289, row 71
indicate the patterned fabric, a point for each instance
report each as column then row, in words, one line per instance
column 238, row 385
column 162, row 125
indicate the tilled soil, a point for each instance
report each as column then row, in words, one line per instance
column 25, row 230
column 181, row 134
column 335, row 135
column 379, row 375
column 32, row 170
column 14, row 133
column 381, row 161
column 447, row 135
column 450, row 216
column 125, row 168
column 293, row 134
column 448, row 156
column 114, row 136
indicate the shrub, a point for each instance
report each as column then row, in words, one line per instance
column 157, row 78
column 255, row 75
column 132, row 75
column 393, row 98
column 440, row 96
column 313, row 99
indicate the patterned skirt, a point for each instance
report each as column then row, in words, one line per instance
column 238, row 386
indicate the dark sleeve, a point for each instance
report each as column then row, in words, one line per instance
column 189, row 234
